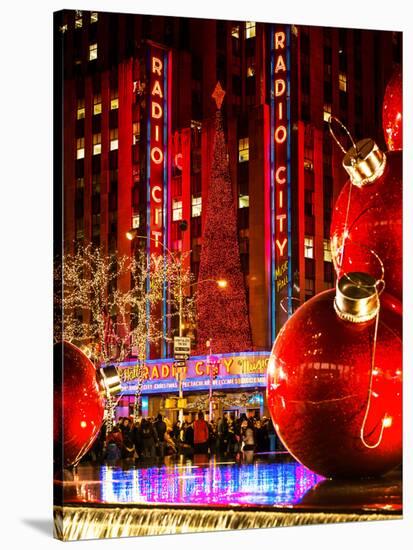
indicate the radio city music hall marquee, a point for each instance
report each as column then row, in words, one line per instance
column 245, row 369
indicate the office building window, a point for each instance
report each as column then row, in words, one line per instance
column 243, row 150
column 308, row 247
column 342, row 82
column 243, row 201
column 309, row 288
column 250, row 67
column 327, row 112
column 80, row 113
column 93, row 51
column 97, row 104
column 80, row 228
column 80, row 148
column 235, row 31
column 96, row 183
column 94, row 16
column 309, row 202
column 249, row 29
column 176, row 210
column 114, row 100
column 78, row 20
column 327, row 250
column 136, row 221
column 114, row 143
column 97, row 144
column 136, row 131
column 196, row 206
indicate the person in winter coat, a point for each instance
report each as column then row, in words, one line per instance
column 160, row 428
column 201, row 435
column 149, row 439
column 248, row 440
column 135, row 435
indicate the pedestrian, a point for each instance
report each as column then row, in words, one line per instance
column 125, row 427
column 201, row 435
column 223, row 434
column 261, row 437
column 248, row 440
column 135, row 435
column 176, row 430
column 128, row 450
column 160, row 428
column 149, row 439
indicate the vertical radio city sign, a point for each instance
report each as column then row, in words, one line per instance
column 158, row 147
column 280, row 182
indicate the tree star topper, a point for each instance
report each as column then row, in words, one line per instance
column 218, row 94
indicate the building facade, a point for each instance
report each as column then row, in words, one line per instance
column 138, row 131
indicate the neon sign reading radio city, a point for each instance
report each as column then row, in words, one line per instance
column 280, row 137
column 156, row 148
column 280, row 180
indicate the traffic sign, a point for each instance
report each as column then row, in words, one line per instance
column 182, row 347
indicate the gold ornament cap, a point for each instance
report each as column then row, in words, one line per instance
column 364, row 162
column 357, row 299
column 109, row 380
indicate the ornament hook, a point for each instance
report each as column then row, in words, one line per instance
column 286, row 308
column 330, row 120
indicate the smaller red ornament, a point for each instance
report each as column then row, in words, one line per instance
column 335, row 397
column 78, row 404
column 393, row 112
column 367, row 218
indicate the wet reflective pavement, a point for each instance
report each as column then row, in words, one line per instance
column 272, row 481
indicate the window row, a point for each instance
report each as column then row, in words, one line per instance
column 94, row 17
column 97, row 104
column 97, row 144
column 196, row 210
column 250, row 30
column 309, row 249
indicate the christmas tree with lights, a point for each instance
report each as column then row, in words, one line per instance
column 221, row 302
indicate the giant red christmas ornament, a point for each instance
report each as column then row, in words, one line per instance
column 367, row 218
column 334, row 395
column 78, row 404
column 393, row 112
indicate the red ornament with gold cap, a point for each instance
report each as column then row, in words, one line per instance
column 334, row 381
column 393, row 112
column 78, row 401
column 367, row 217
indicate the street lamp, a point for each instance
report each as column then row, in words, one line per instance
column 222, row 284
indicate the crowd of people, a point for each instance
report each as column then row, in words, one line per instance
column 152, row 438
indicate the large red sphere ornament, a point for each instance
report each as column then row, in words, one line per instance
column 367, row 217
column 393, row 112
column 78, row 404
column 334, row 388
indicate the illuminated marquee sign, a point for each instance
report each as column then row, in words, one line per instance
column 247, row 370
column 280, row 184
column 158, row 165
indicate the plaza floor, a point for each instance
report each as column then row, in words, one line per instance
column 200, row 493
